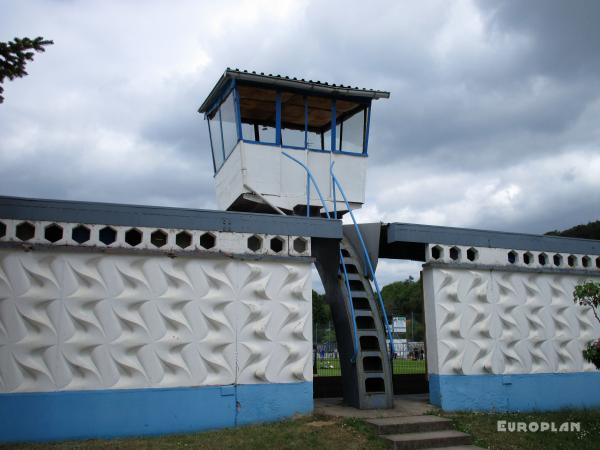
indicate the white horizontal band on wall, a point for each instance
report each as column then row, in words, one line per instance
column 157, row 239
column 466, row 255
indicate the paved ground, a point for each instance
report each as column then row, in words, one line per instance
column 408, row 425
column 404, row 405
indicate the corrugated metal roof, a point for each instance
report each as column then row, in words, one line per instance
column 321, row 87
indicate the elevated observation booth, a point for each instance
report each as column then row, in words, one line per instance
column 257, row 122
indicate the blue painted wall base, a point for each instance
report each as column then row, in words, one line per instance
column 530, row 392
column 48, row 416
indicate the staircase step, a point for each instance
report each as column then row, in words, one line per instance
column 362, row 294
column 350, row 260
column 365, row 353
column 410, row 424
column 457, row 447
column 368, row 333
column 428, row 439
column 354, row 276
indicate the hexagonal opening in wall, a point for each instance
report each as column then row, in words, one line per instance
column 557, row 260
column 183, row 239
column 300, row 245
column 208, row 241
column 107, row 235
column 80, row 234
column 513, row 257
column 437, row 252
column 133, row 237
column 53, row 233
column 25, row 231
column 586, row 261
column 159, row 238
column 543, row 259
column 454, row 253
column 254, row 243
column 572, row 261
column 472, row 254
column 276, row 244
column 2, row 229
column 527, row 258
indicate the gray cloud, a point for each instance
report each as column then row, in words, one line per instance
column 492, row 121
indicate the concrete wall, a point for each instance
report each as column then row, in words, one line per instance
column 104, row 340
column 503, row 332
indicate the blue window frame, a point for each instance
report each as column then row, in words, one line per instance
column 351, row 130
column 216, row 139
column 288, row 119
column 319, row 120
column 260, row 111
column 227, row 112
column 223, row 126
column 293, row 120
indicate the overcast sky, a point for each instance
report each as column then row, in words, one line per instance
column 493, row 120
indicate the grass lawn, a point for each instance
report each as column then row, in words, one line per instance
column 318, row 432
column 483, row 428
column 329, row 367
column 304, row 433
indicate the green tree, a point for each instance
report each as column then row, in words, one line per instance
column 320, row 309
column 588, row 231
column 14, row 56
column 324, row 330
column 405, row 298
column 587, row 295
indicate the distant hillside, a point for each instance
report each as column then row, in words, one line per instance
column 589, row 231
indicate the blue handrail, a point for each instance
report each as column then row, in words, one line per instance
column 309, row 177
column 366, row 253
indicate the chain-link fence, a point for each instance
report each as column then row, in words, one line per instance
column 409, row 358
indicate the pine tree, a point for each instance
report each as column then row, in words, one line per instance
column 14, row 56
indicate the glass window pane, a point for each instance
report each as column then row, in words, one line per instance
column 257, row 107
column 319, row 123
column 351, row 116
column 353, row 132
column 292, row 119
column 266, row 134
column 215, row 139
column 230, row 136
column 313, row 140
column 248, row 132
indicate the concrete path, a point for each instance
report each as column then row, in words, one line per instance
column 411, row 424
column 404, row 405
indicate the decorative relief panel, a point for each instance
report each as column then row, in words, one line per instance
column 94, row 321
column 502, row 322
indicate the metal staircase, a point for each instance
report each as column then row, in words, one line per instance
column 359, row 317
column 375, row 388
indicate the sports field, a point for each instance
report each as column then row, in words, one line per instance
column 330, row 367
